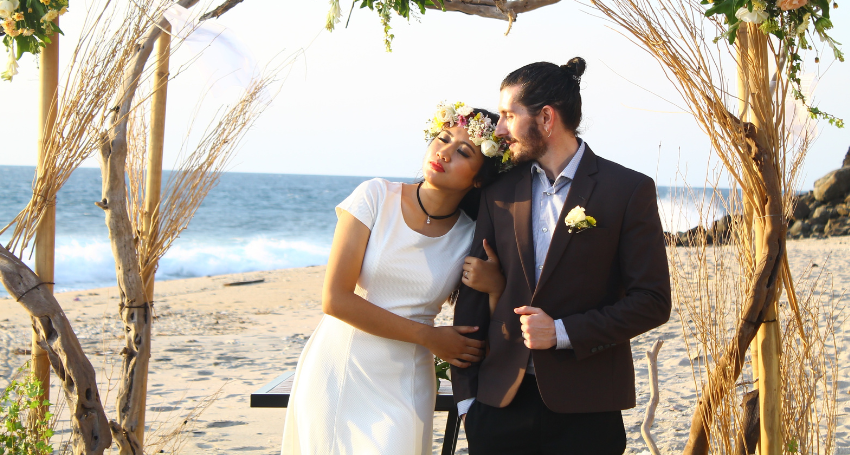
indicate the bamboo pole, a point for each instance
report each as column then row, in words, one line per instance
column 45, row 240
column 742, row 45
column 153, row 183
column 768, row 338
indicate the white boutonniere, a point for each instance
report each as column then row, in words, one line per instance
column 577, row 220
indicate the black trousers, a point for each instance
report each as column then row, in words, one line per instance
column 528, row 427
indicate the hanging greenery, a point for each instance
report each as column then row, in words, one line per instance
column 384, row 9
column 795, row 23
column 26, row 27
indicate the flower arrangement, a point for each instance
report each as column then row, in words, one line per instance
column 578, row 220
column 789, row 21
column 26, row 27
column 481, row 130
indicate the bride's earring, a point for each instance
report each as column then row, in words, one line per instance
column 548, row 131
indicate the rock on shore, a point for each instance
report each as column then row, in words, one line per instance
column 824, row 211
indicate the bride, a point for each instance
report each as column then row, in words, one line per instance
column 365, row 381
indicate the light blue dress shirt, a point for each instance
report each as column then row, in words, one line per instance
column 547, row 201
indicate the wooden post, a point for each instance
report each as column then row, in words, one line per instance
column 153, row 182
column 45, row 239
column 768, row 338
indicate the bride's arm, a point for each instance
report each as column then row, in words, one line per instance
column 340, row 301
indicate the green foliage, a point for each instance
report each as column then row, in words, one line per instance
column 441, row 369
column 16, row 402
column 789, row 26
column 792, row 446
column 385, row 8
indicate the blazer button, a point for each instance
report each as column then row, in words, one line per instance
column 593, row 350
column 601, row 348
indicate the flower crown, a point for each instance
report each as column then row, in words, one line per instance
column 481, row 130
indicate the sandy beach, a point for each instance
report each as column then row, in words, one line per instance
column 228, row 341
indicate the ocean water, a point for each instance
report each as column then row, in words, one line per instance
column 249, row 222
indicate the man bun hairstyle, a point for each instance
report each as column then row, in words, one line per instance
column 547, row 84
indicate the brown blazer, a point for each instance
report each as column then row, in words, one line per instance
column 609, row 284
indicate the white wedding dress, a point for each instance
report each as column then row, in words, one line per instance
column 356, row 393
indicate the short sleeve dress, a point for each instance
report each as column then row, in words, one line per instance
column 356, row 393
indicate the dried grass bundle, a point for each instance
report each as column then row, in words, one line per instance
column 810, row 368
column 725, row 292
column 198, row 172
column 710, row 282
column 106, row 44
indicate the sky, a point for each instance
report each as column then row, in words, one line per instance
column 347, row 107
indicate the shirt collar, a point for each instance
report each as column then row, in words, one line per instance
column 569, row 171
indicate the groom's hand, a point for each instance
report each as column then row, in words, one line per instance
column 538, row 329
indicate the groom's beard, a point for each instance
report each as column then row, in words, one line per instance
column 528, row 147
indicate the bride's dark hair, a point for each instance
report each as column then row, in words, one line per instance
column 487, row 174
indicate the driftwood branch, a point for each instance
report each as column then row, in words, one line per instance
column 221, row 9
column 89, row 428
column 494, row 9
column 652, row 362
column 134, row 307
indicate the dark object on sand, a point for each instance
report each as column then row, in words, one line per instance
column 746, row 443
column 242, row 283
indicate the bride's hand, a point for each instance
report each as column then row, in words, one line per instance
column 484, row 276
column 449, row 344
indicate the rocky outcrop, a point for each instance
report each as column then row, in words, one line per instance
column 719, row 233
column 824, row 211
column 833, row 185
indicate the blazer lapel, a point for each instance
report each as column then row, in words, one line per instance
column 521, row 211
column 580, row 191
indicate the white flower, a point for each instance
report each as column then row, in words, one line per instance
column 824, row 39
column 575, row 216
column 805, row 24
column 11, row 67
column 754, row 17
column 50, row 15
column 8, row 7
column 334, row 15
column 489, row 148
column 464, row 111
column 446, row 114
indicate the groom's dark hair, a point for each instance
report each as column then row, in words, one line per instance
column 547, row 84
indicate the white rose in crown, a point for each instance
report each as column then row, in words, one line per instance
column 446, row 114
column 577, row 220
column 8, row 7
column 464, row 111
column 489, row 148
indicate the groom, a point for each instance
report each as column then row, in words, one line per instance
column 559, row 368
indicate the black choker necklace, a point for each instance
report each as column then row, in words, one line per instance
column 428, row 221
